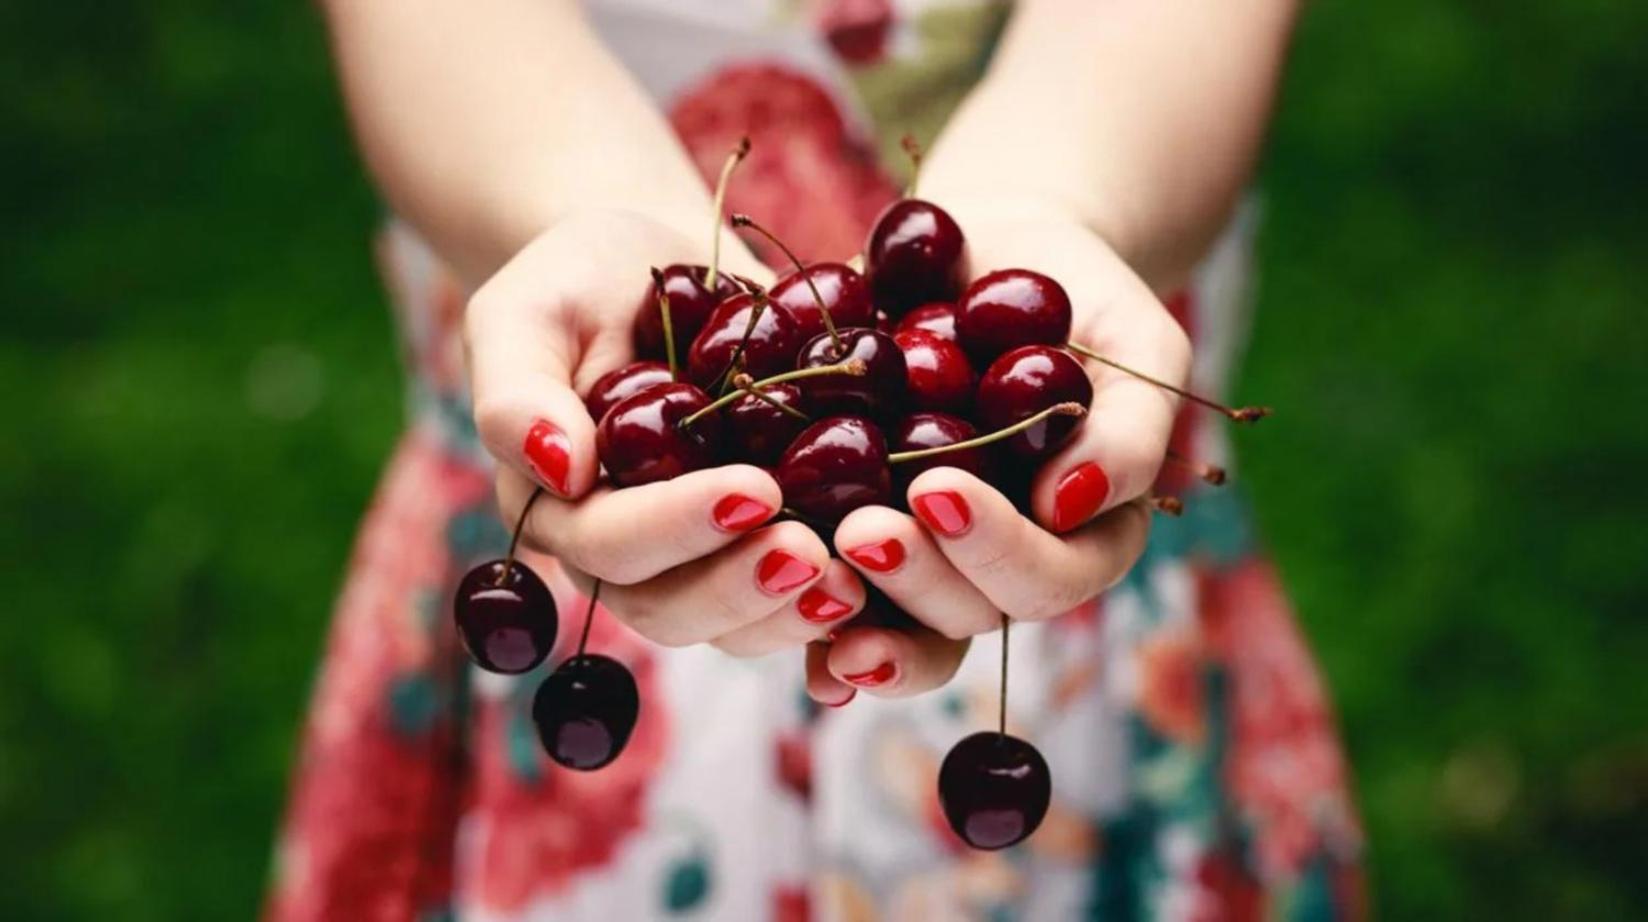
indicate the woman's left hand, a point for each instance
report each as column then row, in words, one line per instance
column 968, row 556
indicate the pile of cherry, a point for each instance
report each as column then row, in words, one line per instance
column 845, row 385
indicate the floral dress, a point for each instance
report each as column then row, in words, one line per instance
column 1197, row 774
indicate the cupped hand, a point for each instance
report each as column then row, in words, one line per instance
column 967, row 555
column 684, row 561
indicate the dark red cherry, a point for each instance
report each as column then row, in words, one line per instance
column 938, row 375
column 691, row 303
column 771, row 349
column 884, row 323
column 835, row 466
column 914, row 255
column 640, row 440
column 1011, row 308
column 1024, row 382
column 585, row 711
column 843, row 291
column 758, row 432
column 876, row 393
column 935, row 430
column 995, row 789
column 938, row 317
column 507, row 622
column 619, row 383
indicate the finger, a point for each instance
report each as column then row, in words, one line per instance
column 1120, row 445
column 1026, row 571
column 895, row 553
column 739, row 585
column 837, row 596
column 633, row 534
column 822, row 687
column 892, row 663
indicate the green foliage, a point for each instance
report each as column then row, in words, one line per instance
column 202, row 386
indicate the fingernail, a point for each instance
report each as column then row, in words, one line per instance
column 944, row 512
column 549, row 452
column 737, row 512
column 1079, row 494
column 820, row 607
column 882, row 558
column 851, row 694
column 780, row 571
column 880, row 675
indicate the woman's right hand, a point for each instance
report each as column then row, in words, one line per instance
column 683, row 561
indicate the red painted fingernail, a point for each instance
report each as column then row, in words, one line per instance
column 882, row 558
column 1079, row 494
column 780, row 571
column 851, row 694
column 549, row 452
column 880, row 675
column 737, row 512
column 944, row 512
column 820, row 607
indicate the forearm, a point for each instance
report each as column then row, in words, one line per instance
column 484, row 122
column 1140, row 119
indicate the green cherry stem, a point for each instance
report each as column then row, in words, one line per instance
column 854, row 367
column 1001, row 725
column 912, row 149
column 669, row 327
column 744, row 220
column 589, row 618
column 1069, row 408
column 745, row 383
column 725, row 377
column 1209, row 473
column 733, row 159
column 515, row 537
column 1239, row 414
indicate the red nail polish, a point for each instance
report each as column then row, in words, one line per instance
column 851, row 694
column 882, row 558
column 780, row 572
column 880, row 675
column 944, row 512
column 820, row 607
column 737, row 512
column 549, row 452
column 1079, row 494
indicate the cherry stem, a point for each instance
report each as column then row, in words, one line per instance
column 515, row 537
column 855, row 367
column 669, row 327
column 1068, row 408
column 1239, row 414
column 589, row 618
column 721, row 379
column 1167, row 505
column 912, row 149
column 744, row 220
column 1002, row 722
column 746, row 384
column 731, row 163
column 1211, row 473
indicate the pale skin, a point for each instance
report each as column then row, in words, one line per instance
column 1105, row 147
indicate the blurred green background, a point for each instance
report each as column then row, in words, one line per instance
column 200, row 386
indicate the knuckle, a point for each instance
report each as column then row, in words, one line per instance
column 493, row 417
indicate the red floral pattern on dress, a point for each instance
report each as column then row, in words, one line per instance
column 856, row 29
column 1171, row 670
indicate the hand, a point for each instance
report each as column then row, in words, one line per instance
column 684, row 561
column 968, row 555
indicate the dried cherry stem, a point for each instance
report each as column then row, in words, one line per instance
column 1001, row 724
column 744, row 220
column 589, row 618
column 1210, row 473
column 745, row 383
column 1068, row 408
column 733, row 159
column 669, row 327
column 1166, row 505
column 722, row 379
column 515, row 537
column 1238, row 414
column 912, row 149
column 855, row 367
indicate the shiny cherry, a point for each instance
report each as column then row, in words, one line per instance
column 938, row 375
column 994, row 789
column 691, row 303
column 877, row 393
column 585, row 711
column 938, row 317
column 1025, row 381
column 844, row 292
column 1011, row 308
column 835, row 466
column 507, row 622
column 641, row 439
column 771, row 348
column 758, row 432
column 932, row 430
column 914, row 255
column 619, row 383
